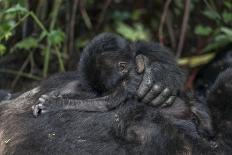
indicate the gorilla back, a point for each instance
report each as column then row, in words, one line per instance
column 132, row 128
column 128, row 129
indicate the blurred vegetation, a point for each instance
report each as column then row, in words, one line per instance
column 48, row 36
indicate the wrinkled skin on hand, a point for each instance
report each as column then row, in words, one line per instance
column 162, row 78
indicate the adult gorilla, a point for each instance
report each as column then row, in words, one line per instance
column 132, row 128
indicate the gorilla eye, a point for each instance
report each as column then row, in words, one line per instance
column 122, row 66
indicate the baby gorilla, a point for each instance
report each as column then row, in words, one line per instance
column 108, row 75
column 112, row 76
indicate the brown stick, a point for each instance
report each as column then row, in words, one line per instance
column 183, row 28
column 103, row 12
column 72, row 26
column 170, row 30
column 162, row 20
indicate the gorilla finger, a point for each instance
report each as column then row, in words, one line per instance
column 154, row 92
column 41, row 106
column 43, row 98
column 44, row 111
column 161, row 98
column 169, row 102
column 146, row 83
column 141, row 62
column 36, row 110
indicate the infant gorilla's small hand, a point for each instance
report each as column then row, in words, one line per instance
column 42, row 106
column 160, row 83
column 45, row 103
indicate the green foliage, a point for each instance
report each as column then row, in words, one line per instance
column 121, row 15
column 2, row 49
column 15, row 16
column 211, row 14
column 27, row 44
column 56, row 37
column 227, row 17
column 46, row 26
column 203, row 30
column 137, row 32
column 221, row 39
column 17, row 9
column 221, row 34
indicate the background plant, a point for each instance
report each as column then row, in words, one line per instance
column 45, row 37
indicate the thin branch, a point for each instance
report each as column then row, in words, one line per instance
column 85, row 15
column 162, row 20
column 72, row 26
column 21, row 71
column 183, row 28
column 67, row 26
column 170, row 30
column 27, row 75
column 54, row 15
column 103, row 12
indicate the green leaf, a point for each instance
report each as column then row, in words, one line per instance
column 121, row 15
column 227, row 17
column 2, row 49
column 203, row 30
column 211, row 14
column 5, row 29
column 16, row 9
column 227, row 31
column 27, row 43
column 136, row 14
column 196, row 61
column 56, row 37
column 216, row 45
column 138, row 32
column 228, row 4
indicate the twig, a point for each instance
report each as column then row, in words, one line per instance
column 162, row 20
column 20, row 71
column 183, row 28
column 54, row 15
column 85, row 15
column 24, row 26
column 41, row 9
column 27, row 75
column 72, row 26
column 61, row 64
column 170, row 30
column 103, row 12
column 67, row 27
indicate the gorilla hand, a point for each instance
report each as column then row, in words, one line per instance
column 160, row 82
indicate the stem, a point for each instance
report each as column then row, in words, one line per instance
column 163, row 17
column 54, row 15
column 183, row 28
column 59, row 59
column 20, row 71
column 72, row 26
column 103, row 12
column 27, row 75
column 38, row 21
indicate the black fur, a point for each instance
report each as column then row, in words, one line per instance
column 132, row 128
